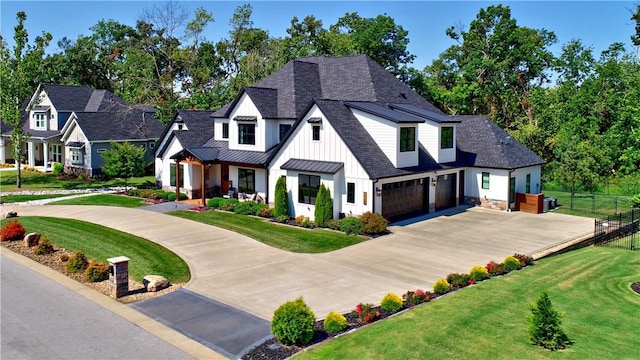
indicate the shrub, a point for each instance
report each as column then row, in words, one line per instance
column 96, row 272
column 245, row 208
column 214, row 202
column 281, row 202
column 183, row 196
column 165, row 195
column 441, row 286
column 64, row 257
column 171, row 197
column 413, row 298
column 12, row 230
column 134, row 192
column 635, row 201
column 478, row 273
column 44, row 246
column 525, row 260
column 282, row 219
column 494, row 269
column 373, row 223
column 324, row 206
column 511, row 263
column 366, row 313
column 391, row 302
column 334, row 224
column 335, row 322
column 351, row 225
column 258, row 208
column 307, row 223
column 266, row 212
column 293, row 322
column 544, row 325
column 229, row 204
column 300, row 218
column 77, row 262
column 57, row 168
column 458, row 280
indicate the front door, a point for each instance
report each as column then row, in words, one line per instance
column 224, row 178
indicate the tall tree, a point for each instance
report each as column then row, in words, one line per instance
column 17, row 82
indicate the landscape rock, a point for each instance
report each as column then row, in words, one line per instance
column 155, row 283
column 32, row 239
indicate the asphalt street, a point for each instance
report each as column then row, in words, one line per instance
column 41, row 319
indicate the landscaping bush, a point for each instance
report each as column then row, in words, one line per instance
column 304, row 221
column 373, row 223
column 494, row 269
column 245, row 208
column 266, row 212
column 334, row 224
column 458, row 280
column 134, row 192
column 351, row 226
column 299, row 219
column 293, row 322
column 525, row 260
column 478, row 273
column 165, row 195
column 96, row 272
column 64, row 257
column 57, row 168
column 324, row 206
column 441, row 286
column 171, row 197
column 391, row 302
column 335, row 322
column 413, row 298
column 12, row 230
column 511, row 263
column 44, row 246
column 214, row 202
column 281, row 202
column 544, row 325
column 77, row 262
column 229, row 204
column 282, row 219
column 635, row 201
column 259, row 208
column 366, row 313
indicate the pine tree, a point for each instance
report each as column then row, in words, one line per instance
column 544, row 325
column 281, row 206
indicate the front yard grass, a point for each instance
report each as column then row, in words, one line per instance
column 100, row 243
column 489, row 320
column 33, row 180
column 6, row 199
column 280, row 236
column 104, row 200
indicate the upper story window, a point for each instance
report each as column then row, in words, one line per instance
column 446, row 137
column 41, row 119
column 284, row 129
column 315, row 130
column 225, row 130
column 247, row 134
column 407, row 139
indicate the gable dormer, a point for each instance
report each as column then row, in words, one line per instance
column 42, row 113
column 396, row 133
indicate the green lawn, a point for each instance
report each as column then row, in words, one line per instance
column 22, row 198
column 104, row 200
column 489, row 320
column 99, row 242
column 590, row 205
column 40, row 181
column 280, row 236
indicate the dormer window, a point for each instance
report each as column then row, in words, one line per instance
column 225, row 130
column 41, row 119
column 407, row 139
column 247, row 134
column 446, row 137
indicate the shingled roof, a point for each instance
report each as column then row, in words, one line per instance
column 482, row 143
column 68, row 98
column 127, row 123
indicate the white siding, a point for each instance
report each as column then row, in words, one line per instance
column 498, row 184
column 246, row 107
column 447, row 155
column 217, row 129
column 428, row 133
column 75, row 134
column 384, row 132
column 163, row 172
column 521, row 179
column 261, row 177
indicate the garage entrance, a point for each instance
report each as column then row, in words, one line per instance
column 404, row 199
column 446, row 191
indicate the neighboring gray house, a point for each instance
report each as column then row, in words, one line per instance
column 349, row 124
column 72, row 125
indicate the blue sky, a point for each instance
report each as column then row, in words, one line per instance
column 598, row 24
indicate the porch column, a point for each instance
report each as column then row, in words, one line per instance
column 3, row 149
column 203, row 186
column 32, row 153
column 177, row 180
column 46, row 155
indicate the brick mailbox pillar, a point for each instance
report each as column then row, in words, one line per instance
column 119, row 276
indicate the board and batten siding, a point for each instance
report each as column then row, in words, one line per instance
column 261, row 177
column 217, row 129
column 428, row 133
column 330, row 148
column 164, row 164
column 246, row 107
column 76, row 135
column 498, row 184
column 446, row 155
column 521, row 179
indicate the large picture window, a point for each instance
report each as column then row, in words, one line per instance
column 308, row 186
column 284, row 129
column 407, row 139
column 446, row 138
column 225, row 130
column 172, row 175
column 485, row 180
column 247, row 181
column 247, row 134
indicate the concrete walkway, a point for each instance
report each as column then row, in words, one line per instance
column 248, row 275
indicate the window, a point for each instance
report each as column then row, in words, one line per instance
column 351, row 193
column 527, row 184
column 247, row 134
column 246, row 181
column 76, row 156
column 308, row 186
column 512, row 190
column 407, row 139
column 225, row 130
column 180, row 126
column 284, row 129
column 172, row 175
column 100, row 151
column 56, row 153
column 152, row 145
column 40, row 120
column 446, row 138
column 316, row 132
column 485, row 180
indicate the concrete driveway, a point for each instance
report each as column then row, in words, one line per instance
column 256, row 278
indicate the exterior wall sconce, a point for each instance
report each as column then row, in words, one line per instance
column 378, row 191
column 434, row 181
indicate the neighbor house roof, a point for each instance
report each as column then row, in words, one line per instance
column 126, row 123
column 485, row 144
column 80, row 98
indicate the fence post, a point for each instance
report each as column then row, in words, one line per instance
column 615, row 205
column 571, row 197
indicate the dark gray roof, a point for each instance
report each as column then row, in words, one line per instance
column 218, row 151
column 44, row 134
column 245, row 118
column 384, row 112
column 124, row 123
column 323, row 167
column 426, row 114
column 202, row 154
column 75, row 144
column 199, row 125
column 482, row 143
column 80, row 98
column 266, row 100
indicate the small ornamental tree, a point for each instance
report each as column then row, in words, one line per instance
column 544, row 325
column 324, row 207
column 123, row 160
column 281, row 205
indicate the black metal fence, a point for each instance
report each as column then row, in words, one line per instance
column 619, row 231
column 593, row 203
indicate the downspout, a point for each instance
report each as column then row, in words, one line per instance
column 509, row 191
column 373, row 197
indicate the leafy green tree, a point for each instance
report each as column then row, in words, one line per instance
column 323, row 207
column 635, row 38
column 123, row 160
column 281, row 203
column 18, row 79
column 544, row 325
